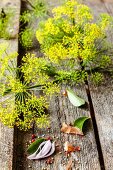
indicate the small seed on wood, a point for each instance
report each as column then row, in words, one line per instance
column 57, row 145
column 29, row 166
column 68, row 155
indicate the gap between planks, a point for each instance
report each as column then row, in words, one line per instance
column 88, row 158
column 61, row 110
column 6, row 134
column 102, row 98
column 85, row 164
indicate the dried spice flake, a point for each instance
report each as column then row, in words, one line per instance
column 71, row 130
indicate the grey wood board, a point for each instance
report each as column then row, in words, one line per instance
column 102, row 102
column 6, row 134
column 103, row 107
column 57, row 110
column 61, row 110
column 97, row 7
column 109, row 7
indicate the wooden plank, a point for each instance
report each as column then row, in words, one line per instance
column 96, row 6
column 6, row 134
column 54, row 3
column 103, row 104
column 61, row 110
column 109, row 7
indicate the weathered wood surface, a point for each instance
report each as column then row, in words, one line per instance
column 103, row 107
column 102, row 98
column 61, row 110
column 97, row 7
column 6, row 134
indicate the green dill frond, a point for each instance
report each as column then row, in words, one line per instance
column 72, row 40
column 25, row 17
column 97, row 78
column 40, row 8
column 26, row 106
column 37, row 10
column 26, row 38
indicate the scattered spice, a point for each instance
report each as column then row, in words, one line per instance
column 69, row 165
column 33, row 140
column 33, row 136
column 50, row 160
column 64, row 93
column 70, row 129
column 29, row 166
column 58, row 149
column 49, row 138
column 70, row 148
column 60, row 152
column 77, row 148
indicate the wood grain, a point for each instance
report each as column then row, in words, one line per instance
column 103, row 107
column 61, row 110
column 102, row 100
column 6, row 134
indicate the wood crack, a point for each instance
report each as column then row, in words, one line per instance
column 92, row 113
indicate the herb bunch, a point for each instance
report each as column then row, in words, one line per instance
column 28, row 106
column 75, row 44
column 37, row 9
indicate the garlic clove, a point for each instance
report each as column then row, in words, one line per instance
column 46, row 150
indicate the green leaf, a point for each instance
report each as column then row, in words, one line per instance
column 74, row 99
column 34, row 146
column 80, row 122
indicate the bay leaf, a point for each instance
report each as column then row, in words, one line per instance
column 80, row 122
column 74, row 99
